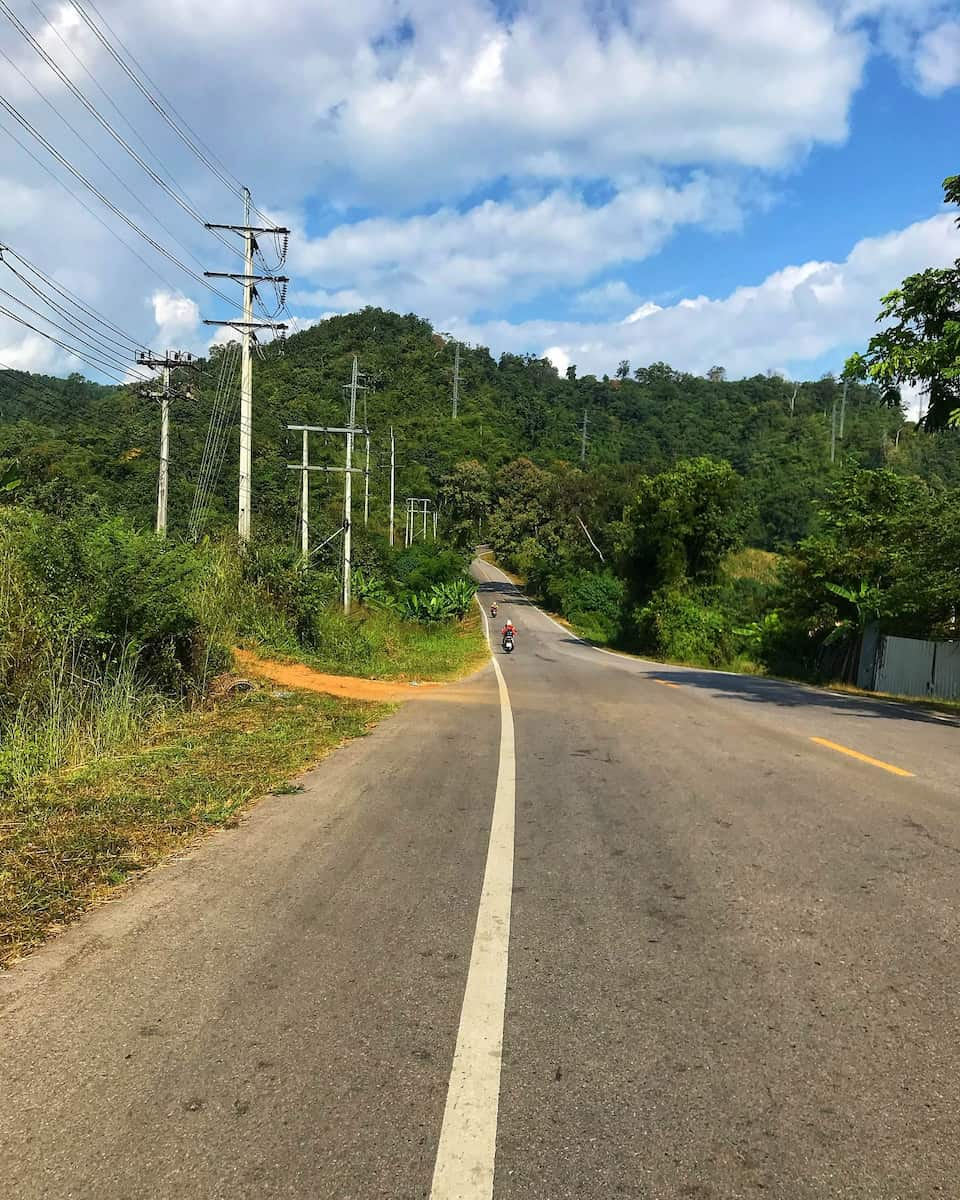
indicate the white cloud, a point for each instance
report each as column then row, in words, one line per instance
column 352, row 109
column 177, row 319
column 923, row 36
column 29, row 353
column 647, row 309
column 498, row 252
column 938, row 58
column 794, row 317
column 427, row 105
column 559, row 357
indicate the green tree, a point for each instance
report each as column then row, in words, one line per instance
column 887, row 549
column 522, row 514
column 465, row 494
column 680, row 525
column 921, row 343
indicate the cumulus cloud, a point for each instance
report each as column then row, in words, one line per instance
column 177, row 319
column 938, row 58
column 456, row 95
column 499, row 252
column 794, row 317
column 29, row 352
column 923, row 36
column 414, row 112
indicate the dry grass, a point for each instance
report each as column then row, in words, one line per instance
column 70, row 838
column 760, row 565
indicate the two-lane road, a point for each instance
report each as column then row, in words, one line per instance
column 615, row 929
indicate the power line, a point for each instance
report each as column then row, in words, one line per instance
column 65, row 292
column 99, row 157
column 88, row 359
column 106, row 95
column 83, row 204
column 81, row 178
column 123, row 346
column 97, row 347
column 183, row 130
column 29, row 385
column 218, row 418
column 105, row 124
column 222, row 414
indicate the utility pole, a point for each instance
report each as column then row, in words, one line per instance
column 417, row 506
column 583, row 440
column 305, row 466
column 393, row 467
column 305, row 501
column 247, row 328
column 348, row 489
column 833, row 429
column 456, row 379
column 166, row 362
column 843, row 408
column 366, row 486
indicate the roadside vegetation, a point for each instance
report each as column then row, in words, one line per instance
column 679, row 584
column 122, row 732
column 71, row 836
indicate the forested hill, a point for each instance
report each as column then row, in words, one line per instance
column 76, row 442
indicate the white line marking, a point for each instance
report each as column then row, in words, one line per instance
column 468, row 1137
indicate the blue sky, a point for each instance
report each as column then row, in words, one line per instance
column 700, row 181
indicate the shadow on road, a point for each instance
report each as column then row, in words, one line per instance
column 757, row 690
column 509, row 593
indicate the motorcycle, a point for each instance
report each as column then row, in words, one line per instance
column 508, row 644
column 493, row 610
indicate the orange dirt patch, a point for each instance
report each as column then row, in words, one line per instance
column 296, row 675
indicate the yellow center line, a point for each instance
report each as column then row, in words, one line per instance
column 666, row 683
column 874, row 762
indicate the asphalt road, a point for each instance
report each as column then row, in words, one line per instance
column 693, row 951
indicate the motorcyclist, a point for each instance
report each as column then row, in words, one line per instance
column 509, row 630
column 493, row 609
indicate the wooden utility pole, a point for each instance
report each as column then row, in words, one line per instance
column 456, row 379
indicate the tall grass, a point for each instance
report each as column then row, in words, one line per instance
column 76, row 711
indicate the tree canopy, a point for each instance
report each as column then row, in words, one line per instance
column 920, row 341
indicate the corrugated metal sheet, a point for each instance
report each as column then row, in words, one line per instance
column 909, row 667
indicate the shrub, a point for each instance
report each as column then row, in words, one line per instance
column 679, row 624
column 101, row 590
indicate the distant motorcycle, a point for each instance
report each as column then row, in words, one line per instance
column 508, row 644
column 493, row 610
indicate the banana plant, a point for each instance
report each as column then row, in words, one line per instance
column 865, row 599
